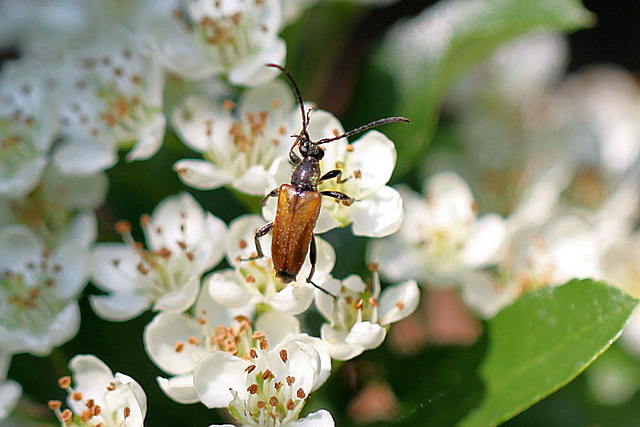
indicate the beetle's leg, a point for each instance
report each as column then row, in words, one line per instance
column 333, row 174
column 263, row 231
column 313, row 257
column 272, row 193
column 347, row 200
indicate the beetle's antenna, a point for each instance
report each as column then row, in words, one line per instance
column 305, row 117
column 363, row 128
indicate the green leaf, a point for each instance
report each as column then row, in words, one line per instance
column 543, row 341
column 427, row 54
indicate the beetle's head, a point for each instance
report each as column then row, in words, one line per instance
column 311, row 149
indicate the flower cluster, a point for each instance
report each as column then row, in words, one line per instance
column 107, row 77
column 554, row 178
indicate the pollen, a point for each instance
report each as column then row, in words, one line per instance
column 54, row 404
column 123, row 227
column 228, row 105
column 64, row 382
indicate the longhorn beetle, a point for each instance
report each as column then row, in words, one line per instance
column 299, row 202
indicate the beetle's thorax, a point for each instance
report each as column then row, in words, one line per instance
column 306, row 174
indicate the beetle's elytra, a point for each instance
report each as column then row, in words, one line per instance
column 299, row 202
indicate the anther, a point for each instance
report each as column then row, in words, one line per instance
column 349, row 148
column 273, row 401
column 290, row 405
column 283, row 355
column 250, row 279
column 77, row 396
column 242, row 244
column 400, row 305
column 145, row 219
column 54, row 404
column 359, row 304
column 253, row 388
column 290, row 380
column 111, row 386
column 66, row 416
column 178, row 347
column 253, row 353
column 123, row 227
column 300, row 393
column 261, row 404
column 373, row 267
column 127, row 412
column 250, row 369
column 266, row 375
column 264, row 344
column 193, row 341
column 64, row 382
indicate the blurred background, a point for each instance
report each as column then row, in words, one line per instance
column 333, row 51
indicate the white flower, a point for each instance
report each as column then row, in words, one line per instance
column 270, row 387
column 366, row 165
column 230, row 37
column 10, row 391
column 552, row 254
column 27, row 127
column 239, row 145
column 60, row 208
column 620, row 268
column 38, row 291
column 254, row 282
column 109, row 96
column 182, row 241
column 176, row 342
column 99, row 397
column 441, row 237
column 360, row 317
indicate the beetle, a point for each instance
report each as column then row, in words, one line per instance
column 299, row 201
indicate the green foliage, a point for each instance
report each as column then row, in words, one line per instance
column 446, row 41
column 543, row 341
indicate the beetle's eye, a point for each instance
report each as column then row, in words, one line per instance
column 304, row 149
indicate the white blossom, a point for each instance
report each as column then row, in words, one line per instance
column 183, row 241
column 234, row 38
column 98, row 397
column 552, row 254
column 28, row 123
column 441, row 237
column 366, row 165
column 10, row 391
column 239, row 144
column 359, row 317
column 39, row 287
column 60, row 208
column 109, row 96
column 254, row 282
column 268, row 388
column 176, row 342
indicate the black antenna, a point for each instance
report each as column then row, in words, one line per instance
column 305, row 117
column 363, row 128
